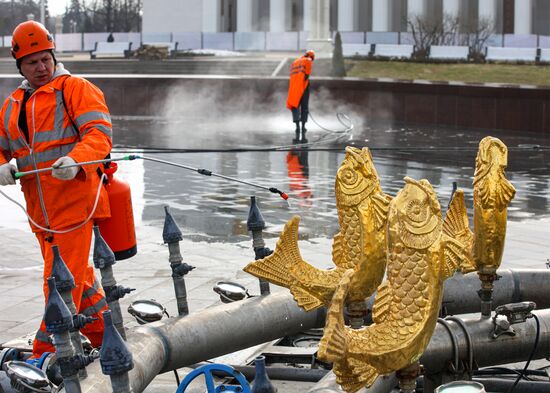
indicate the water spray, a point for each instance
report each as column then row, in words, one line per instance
column 131, row 157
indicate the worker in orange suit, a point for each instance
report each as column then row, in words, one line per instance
column 54, row 119
column 298, row 92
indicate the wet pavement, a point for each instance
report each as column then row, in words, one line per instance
column 216, row 210
column 212, row 212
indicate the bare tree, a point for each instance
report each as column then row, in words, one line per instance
column 449, row 30
column 476, row 38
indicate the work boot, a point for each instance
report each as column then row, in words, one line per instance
column 297, row 138
column 304, row 130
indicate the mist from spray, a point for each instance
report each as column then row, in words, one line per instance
column 240, row 113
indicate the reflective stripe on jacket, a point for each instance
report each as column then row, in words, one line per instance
column 299, row 81
column 51, row 136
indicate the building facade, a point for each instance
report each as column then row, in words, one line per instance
column 508, row 16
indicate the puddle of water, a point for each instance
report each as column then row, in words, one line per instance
column 208, row 208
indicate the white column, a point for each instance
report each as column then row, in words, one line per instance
column 277, row 16
column 488, row 10
column 380, row 15
column 322, row 19
column 345, row 15
column 319, row 33
column 451, row 8
column 210, row 16
column 244, row 15
column 416, row 7
column 523, row 15
column 308, row 17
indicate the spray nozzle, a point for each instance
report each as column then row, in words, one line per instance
column 283, row 195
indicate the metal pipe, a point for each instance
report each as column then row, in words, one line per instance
column 59, row 321
column 513, row 286
column 104, row 259
column 488, row 351
column 503, row 385
column 115, row 358
column 171, row 235
column 285, row 373
column 383, row 384
column 177, row 342
column 256, row 224
column 64, row 282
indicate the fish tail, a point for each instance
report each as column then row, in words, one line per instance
column 352, row 380
column 284, row 265
column 276, row 267
column 333, row 345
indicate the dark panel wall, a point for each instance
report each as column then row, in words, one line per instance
column 464, row 106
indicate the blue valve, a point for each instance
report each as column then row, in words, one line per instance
column 208, row 370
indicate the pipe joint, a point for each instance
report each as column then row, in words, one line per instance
column 262, row 252
column 113, row 293
column 81, row 320
column 181, row 269
column 70, row 366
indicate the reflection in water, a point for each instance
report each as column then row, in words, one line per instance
column 298, row 173
column 212, row 209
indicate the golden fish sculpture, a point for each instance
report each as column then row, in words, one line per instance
column 420, row 257
column 360, row 244
column 492, row 195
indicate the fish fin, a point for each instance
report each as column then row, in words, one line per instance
column 504, row 193
column 382, row 303
column 275, row 267
column 456, row 225
column 456, row 219
column 456, row 258
column 305, row 299
column 338, row 249
column 333, row 345
column 381, row 204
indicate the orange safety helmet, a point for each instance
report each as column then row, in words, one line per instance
column 30, row 37
column 310, row 53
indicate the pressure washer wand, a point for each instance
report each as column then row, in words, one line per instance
column 131, row 157
column 19, row 175
column 206, row 172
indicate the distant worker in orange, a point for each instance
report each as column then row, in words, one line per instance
column 54, row 119
column 298, row 92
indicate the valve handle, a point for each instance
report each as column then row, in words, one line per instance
column 208, row 370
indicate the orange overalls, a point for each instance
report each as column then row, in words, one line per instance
column 62, row 204
column 298, row 90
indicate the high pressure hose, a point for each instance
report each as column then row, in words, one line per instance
column 65, row 230
column 336, row 134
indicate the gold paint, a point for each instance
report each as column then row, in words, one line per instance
column 360, row 244
column 423, row 251
column 492, row 195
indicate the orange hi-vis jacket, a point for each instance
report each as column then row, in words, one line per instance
column 51, row 136
column 300, row 70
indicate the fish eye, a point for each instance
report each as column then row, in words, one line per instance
column 348, row 176
column 417, row 210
